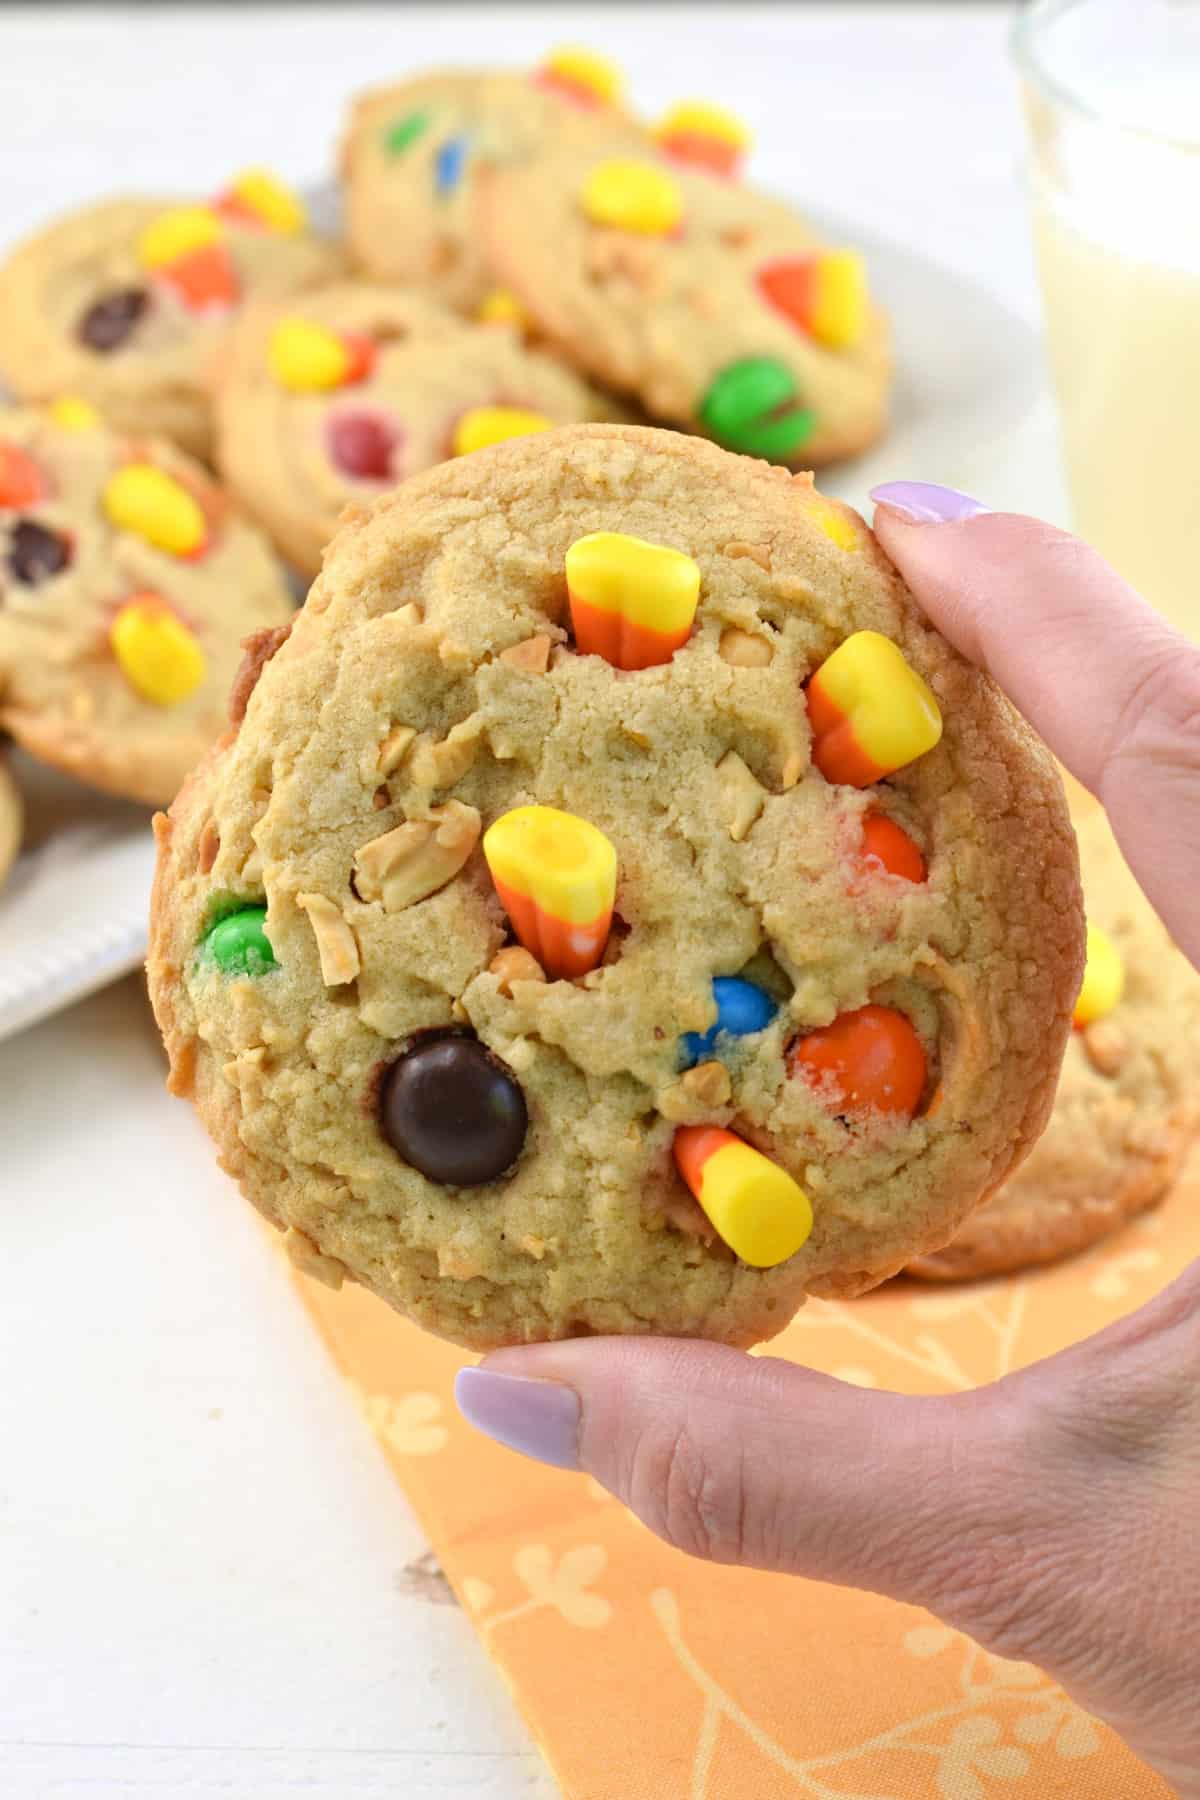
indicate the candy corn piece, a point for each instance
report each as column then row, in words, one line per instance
column 697, row 132
column 629, row 195
column 186, row 250
column 887, row 846
column 144, row 499
column 752, row 1204
column 581, row 76
column 308, row 358
column 258, row 198
column 556, row 878
column 485, row 425
column 632, row 602
column 159, row 657
column 21, row 481
column 868, row 1060
column 825, row 294
column 870, row 712
column 1103, row 978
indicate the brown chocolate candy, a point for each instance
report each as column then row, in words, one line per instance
column 107, row 324
column 35, row 552
column 453, row 1111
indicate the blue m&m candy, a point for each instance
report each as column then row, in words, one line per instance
column 449, row 163
column 742, row 1009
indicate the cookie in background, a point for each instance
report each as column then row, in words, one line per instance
column 127, row 301
column 328, row 398
column 127, row 583
column 608, row 872
column 1128, row 1102
column 412, row 152
column 12, row 818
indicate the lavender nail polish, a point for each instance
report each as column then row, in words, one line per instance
column 925, row 503
column 537, row 1418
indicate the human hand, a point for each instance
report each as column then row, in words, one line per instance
column 1054, row 1516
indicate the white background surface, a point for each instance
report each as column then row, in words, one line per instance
column 202, row 1555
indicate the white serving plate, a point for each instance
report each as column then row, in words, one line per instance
column 73, row 911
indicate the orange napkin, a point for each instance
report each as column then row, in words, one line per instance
column 646, row 1676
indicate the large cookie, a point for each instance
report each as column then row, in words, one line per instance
column 412, row 153
column 12, row 815
column 716, row 306
column 397, row 1084
column 1128, row 1100
column 332, row 397
column 126, row 586
column 127, row 302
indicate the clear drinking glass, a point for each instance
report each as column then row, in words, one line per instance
column 1112, row 99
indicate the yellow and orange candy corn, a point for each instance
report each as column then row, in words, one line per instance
column 631, row 194
column 708, row 136
column 259, row 199
column 144, row 499
column 556, row 878
column 581, row 76
column 21, row 480
column 309, row 359
column 870, row 712
column 159, row 657
column 825, row 294
column 1103, row 978
column 631, row 602
column 752, row 1204
column 186, row 250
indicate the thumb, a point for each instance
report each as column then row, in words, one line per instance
column 753, row 1460
column 1112, row 688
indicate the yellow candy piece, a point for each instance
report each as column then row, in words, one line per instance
column 1103, row 978
column 307, row 358
column 753, row 1205
column 145, row 499
column 633, row 196
column 650, row 586
column 702, row 118
column 159, row 656
column 275, row 204
column 174, row 235
column 839, row 315
column 70, row 413
column 501, row 307
column 485, row 425
column 833, row 522
column 580, row 68
column 870, row 712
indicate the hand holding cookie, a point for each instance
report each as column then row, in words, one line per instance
column 1052, row 1517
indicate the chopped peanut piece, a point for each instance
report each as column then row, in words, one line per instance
column 1106, row 1046
column 208, row 846
column 416, row 859
column 336, row 943
column 304, row 1255
column 759, row 553
column 742, row 797
column 515, row 964
column 533, row 655
column 393, row 748
column 708, row 1083
column 440, row 765
column 744, row 650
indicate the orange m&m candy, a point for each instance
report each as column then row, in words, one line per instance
column 870, row 1060
column 21, row 481
column 886, row 846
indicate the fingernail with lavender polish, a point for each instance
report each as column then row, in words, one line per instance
column 924, row 503
column 538, row 1418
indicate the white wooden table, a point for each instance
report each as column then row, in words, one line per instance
column 209, row 1582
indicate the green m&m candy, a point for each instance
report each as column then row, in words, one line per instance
column 404, row 131
column 238, row 944
column 753, row 406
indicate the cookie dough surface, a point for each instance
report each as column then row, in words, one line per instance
column 68, row 568
column 411, row 159
column 682, row 317
column 1128, row 1099
column 432, row 668
column 297, row 457
column 146, row 360
column 11, row 819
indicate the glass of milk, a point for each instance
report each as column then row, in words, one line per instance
column 1112, row 98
